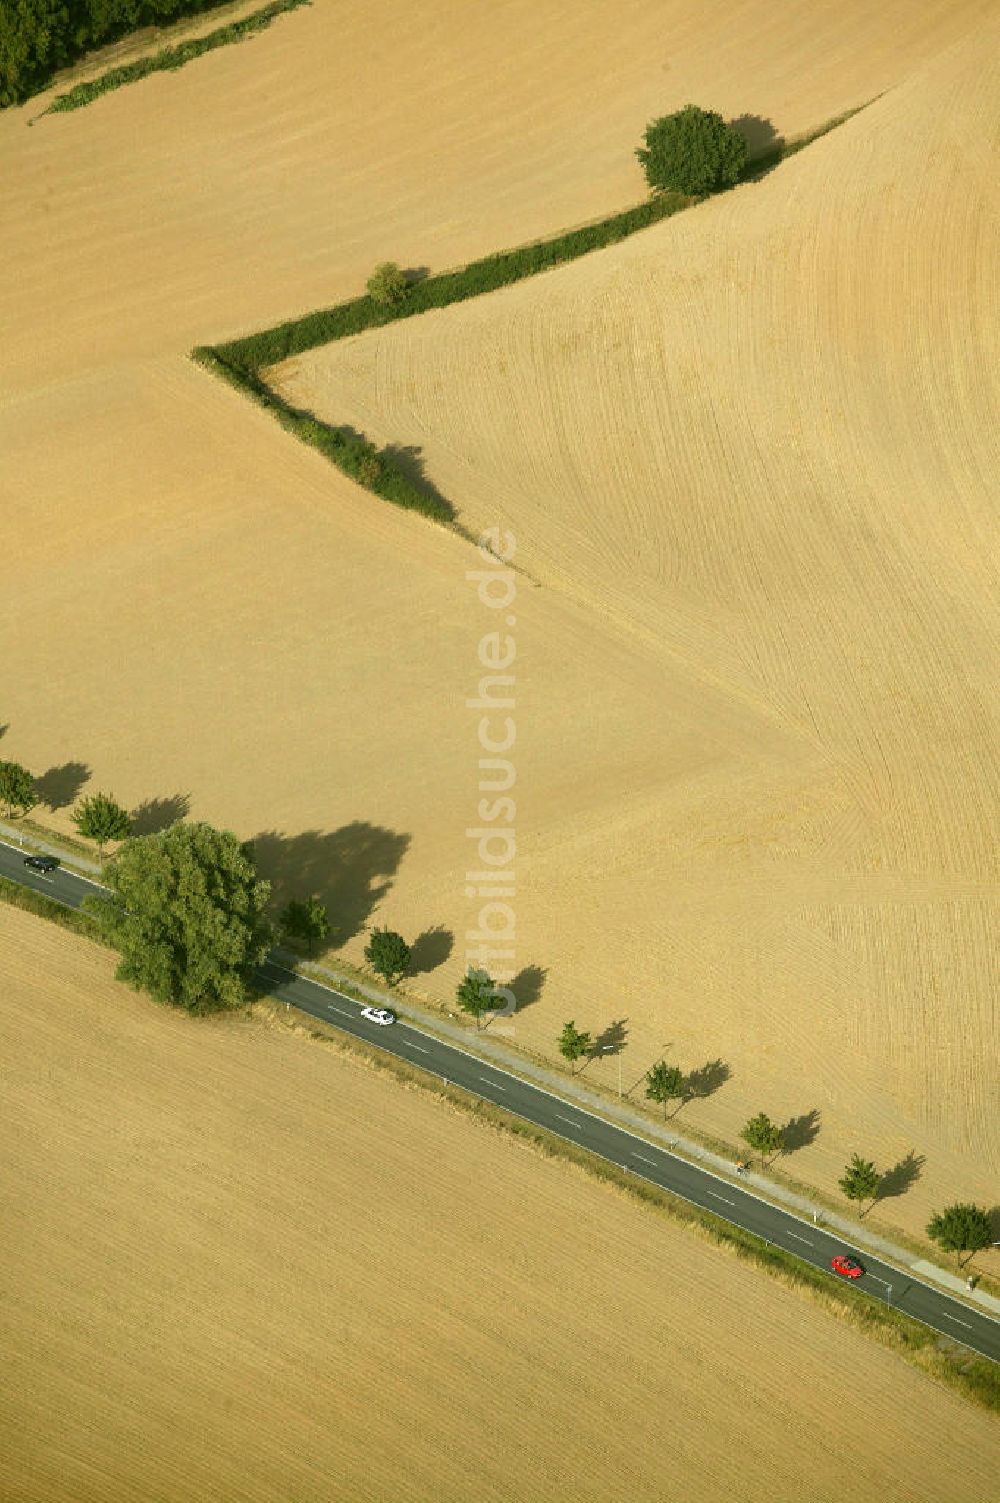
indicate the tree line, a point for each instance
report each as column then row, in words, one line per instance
column 188, row 914
column 38, row 37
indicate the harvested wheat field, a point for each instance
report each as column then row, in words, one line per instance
column 205, row 616
column 760, row 444
column 237, row 1265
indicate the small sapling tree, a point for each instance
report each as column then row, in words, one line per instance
column 860, row 1181
column 573, row 1044
column 665, row 1083
column 17, row 789
column 476, row 993
column 101, row 818
column 761, row 1134
column 961, row 1228
column 388, row 954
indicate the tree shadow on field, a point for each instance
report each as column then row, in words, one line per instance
column 611, row 1041
column 429, row 950
column 349, row 870
column 60, row 786
column 898, row 1179
column 154, row 815
column 765, row 145
column 527, row 985
column 4, row 729
column 408, row 460
column 799, row 1132
column 706, row 1080
column 415, row 274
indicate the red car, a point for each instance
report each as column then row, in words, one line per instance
column 842, row 1264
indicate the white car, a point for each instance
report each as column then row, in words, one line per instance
column 382, row 1015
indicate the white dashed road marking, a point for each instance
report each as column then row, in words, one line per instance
column 496, row 1084
column 720, row 1197
column 800, row 1239
column 644, row 1159
column 955, row 1318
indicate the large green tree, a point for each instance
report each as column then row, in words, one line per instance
column 186, row 913
column 388, row 954
column 573, row 1044
column 665, row 1083
column 960, row 1228
column 17, row 789
column 860, row 1181
column 100, row 817
column 476, row 993
column 692, row 151
column 762, row 1134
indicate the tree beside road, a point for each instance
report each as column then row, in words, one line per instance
column 860, row 1181
column 760, row 1133
column 388, row 954
column 573, row 1044
column 101, row 818
column 961, row 1228
column 17, row 789
column 186, row 912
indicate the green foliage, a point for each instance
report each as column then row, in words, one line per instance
column 169, row 59
column 477, row 994
column 388, row 954
column 17, row 788
column 306, row 921
column 99, row 817
column 255, row 352
column 860, row 1180
column 39, row 36
column 692, row 151
column 186, row 914
column 960, row 1228
column 665, row 1083
column 387, row 285
column 573, row 1044
column 241, row 362
column 760, row 1133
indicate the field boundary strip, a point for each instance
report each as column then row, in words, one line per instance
column 242, row 363
column 169, row 59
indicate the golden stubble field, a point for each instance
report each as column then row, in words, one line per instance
column 236, row 1265
column 194, row 606
column 759, row 443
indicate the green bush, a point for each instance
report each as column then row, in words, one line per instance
column 692, row 151
column 387, row 285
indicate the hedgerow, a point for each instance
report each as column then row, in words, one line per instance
column 37, row 37
column 242, row 362
column 171, row 58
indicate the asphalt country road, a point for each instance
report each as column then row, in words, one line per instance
column 640, row 1157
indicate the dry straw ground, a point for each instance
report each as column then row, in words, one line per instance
column 751, row 819
column 239, row 1266
column 757, row 447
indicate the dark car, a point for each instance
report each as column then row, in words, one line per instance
column 41, row 863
